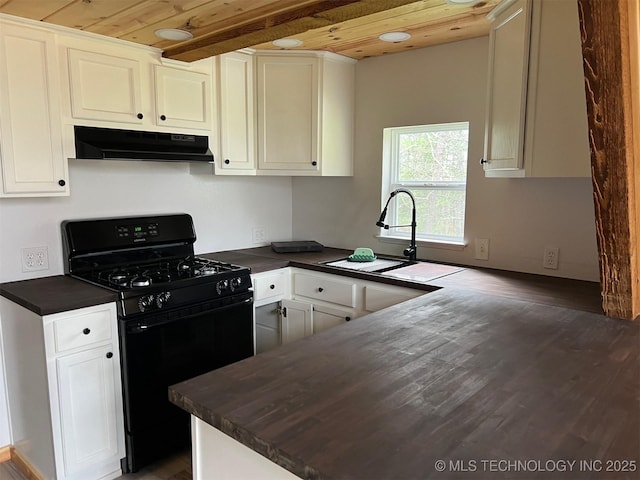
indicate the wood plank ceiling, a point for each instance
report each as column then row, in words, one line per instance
column 347, row 27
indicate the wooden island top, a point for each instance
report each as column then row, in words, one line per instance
column 454, row 375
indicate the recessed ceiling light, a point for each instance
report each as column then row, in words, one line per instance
column 394, row 37
column 173, row 34
column 287, row 42
column 460, row 2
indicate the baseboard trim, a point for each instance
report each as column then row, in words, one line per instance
column 21, row 463
column 5, row 454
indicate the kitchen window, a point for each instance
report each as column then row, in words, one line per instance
column 431, row 162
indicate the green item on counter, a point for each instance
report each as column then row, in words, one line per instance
column 362, row 254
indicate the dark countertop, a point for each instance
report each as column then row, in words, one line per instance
column 454, row 375
column 429, row 276
column 61, row 293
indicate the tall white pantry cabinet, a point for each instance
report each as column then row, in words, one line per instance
column 64, row 390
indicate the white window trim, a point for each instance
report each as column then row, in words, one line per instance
column 390, row 138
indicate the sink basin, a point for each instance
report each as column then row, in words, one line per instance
column 378, row 265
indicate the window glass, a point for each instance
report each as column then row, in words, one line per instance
column 431, row 162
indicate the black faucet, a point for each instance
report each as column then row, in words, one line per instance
column 412, row 250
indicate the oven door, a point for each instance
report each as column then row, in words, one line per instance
column 162, row 349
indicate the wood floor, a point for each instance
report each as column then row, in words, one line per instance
column 8, row 471
column 177, row 467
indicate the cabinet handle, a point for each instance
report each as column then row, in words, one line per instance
column 347, row 319
column 483, row 161
column 320, row 289
column 272, row 286
column 140, row 116
column 314, row 163
column 227, row 161
column 86, row 331
column 109, row 354
column 163, row 118
column 62, row 183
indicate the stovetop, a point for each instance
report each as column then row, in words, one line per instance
column 164, row 274
column 150, row 262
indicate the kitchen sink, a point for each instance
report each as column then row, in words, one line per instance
column 379, row 265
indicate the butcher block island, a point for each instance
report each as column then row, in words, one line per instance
column 452, row 384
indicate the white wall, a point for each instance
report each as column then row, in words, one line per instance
column 224, row 209
column 520, row 216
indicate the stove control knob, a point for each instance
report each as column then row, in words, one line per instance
column 222, row 286
column 162, row 299
column 236, row 283
column 145, row 302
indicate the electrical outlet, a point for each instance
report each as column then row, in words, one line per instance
column 550, row 259
column 482, row 248
column 35, row 258
column 259, row 235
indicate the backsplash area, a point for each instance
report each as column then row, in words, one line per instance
column 225, row 210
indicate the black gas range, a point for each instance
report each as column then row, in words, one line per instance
column 149, row 261
column 179, row 316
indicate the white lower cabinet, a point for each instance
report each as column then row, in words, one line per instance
column 67, row 422
column 292, row 303
column 297, row 321
column 88, row 409
column 267, row 323
column 321, row 287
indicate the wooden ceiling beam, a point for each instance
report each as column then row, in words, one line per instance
column 609, row 59
column 279, row 25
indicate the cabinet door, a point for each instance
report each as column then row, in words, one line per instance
column 557, row 133
column 296, row 321
column 105, row 87
column 90, row 406
column 325, row 318
column 31, row 153
column 288, row 100
column 236, row 106
column 507, row 93
column 267, row 320
column 183, row 98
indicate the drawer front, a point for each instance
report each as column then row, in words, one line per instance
column 82, row 330
column 325, row 289
column 271, row 285
column 377, row 298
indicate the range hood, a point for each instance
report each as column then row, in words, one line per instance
column 113, row 144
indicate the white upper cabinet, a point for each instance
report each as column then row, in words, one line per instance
column 288, row 104
column 235, row 104
column 113, row 85
column 507, row 87
column 31, row 152
column 536, row 123
column 283, row 113
column 105, row 87
column 305, row 114
column 182, row 98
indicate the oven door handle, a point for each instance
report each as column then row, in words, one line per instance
column 171, row 317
